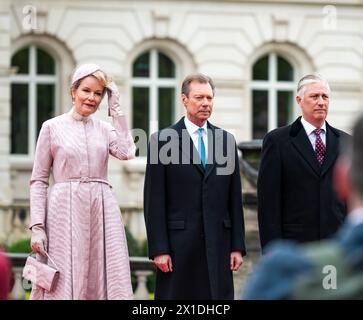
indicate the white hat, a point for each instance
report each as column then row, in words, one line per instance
column 84, row 70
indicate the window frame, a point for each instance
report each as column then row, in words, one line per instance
column 272, row 86
column 153, row 83
column 33, row 79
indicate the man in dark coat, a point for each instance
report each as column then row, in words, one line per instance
column 193, row 202
column 296, row 199
column 328, row 269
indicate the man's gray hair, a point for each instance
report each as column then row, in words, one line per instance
column 199, row 77
column 309, row 79
column 357, row 157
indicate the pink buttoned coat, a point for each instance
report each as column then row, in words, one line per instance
column 86, row 236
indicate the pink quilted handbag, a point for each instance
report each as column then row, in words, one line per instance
column 40, row 273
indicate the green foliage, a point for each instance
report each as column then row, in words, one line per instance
column 21, row 246
column 134, row 251
column 151, row 280
column 144, row 249
column 132, row 244
column 139, row 250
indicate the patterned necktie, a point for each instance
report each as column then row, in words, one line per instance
column 320, row 148
column 201, row 147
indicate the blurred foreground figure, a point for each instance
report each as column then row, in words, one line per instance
column 5, row 276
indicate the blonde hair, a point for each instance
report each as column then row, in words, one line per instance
column 102, row 77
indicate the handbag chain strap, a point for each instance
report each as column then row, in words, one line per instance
column 51, row 260
column 48, row 256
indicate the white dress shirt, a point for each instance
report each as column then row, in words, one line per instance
column 194, row 134
column 309, row 129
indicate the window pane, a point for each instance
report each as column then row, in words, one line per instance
column 284, row 70
column 166, row 107
column 260, row 113
column 21, row 60
column 166, row 66
column 45, row 103
column 285, row 107
column 45, row 63
column 140, row 98
column 141, row 67
column 19, row 118
column 260, row 69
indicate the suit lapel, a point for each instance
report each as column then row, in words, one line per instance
column 213, row 142
column 303, row 145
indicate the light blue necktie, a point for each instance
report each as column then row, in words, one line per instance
column 201, row 147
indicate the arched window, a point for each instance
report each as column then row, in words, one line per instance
column 153, row 91
column 272, row 94
column 32, row 96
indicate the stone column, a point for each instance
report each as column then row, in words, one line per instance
column 5, row 53
column 141, row 292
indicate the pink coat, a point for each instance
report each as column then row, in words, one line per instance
column 86, row 236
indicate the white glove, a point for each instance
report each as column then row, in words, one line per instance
column 39, row 241
column 114, row 108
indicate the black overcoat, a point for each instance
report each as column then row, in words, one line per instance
column 194, row 214
column 296, row 198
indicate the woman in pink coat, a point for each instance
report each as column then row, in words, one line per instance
column 77, row 220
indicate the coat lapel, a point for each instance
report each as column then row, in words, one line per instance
column 303, row 145
column 213, row 142
column 332, row 148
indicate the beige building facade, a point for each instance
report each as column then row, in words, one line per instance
column 254, row 50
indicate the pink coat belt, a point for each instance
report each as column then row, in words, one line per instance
column 85, row 180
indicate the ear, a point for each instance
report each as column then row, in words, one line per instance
column 184, row 99
column 298, row 99
column 341, row 179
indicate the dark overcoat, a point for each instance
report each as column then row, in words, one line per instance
column 296, row 198
column 193, row 214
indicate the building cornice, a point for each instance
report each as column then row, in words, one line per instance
column 299, row 2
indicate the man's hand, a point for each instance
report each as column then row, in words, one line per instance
column 236, row 260
column 164, row 263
